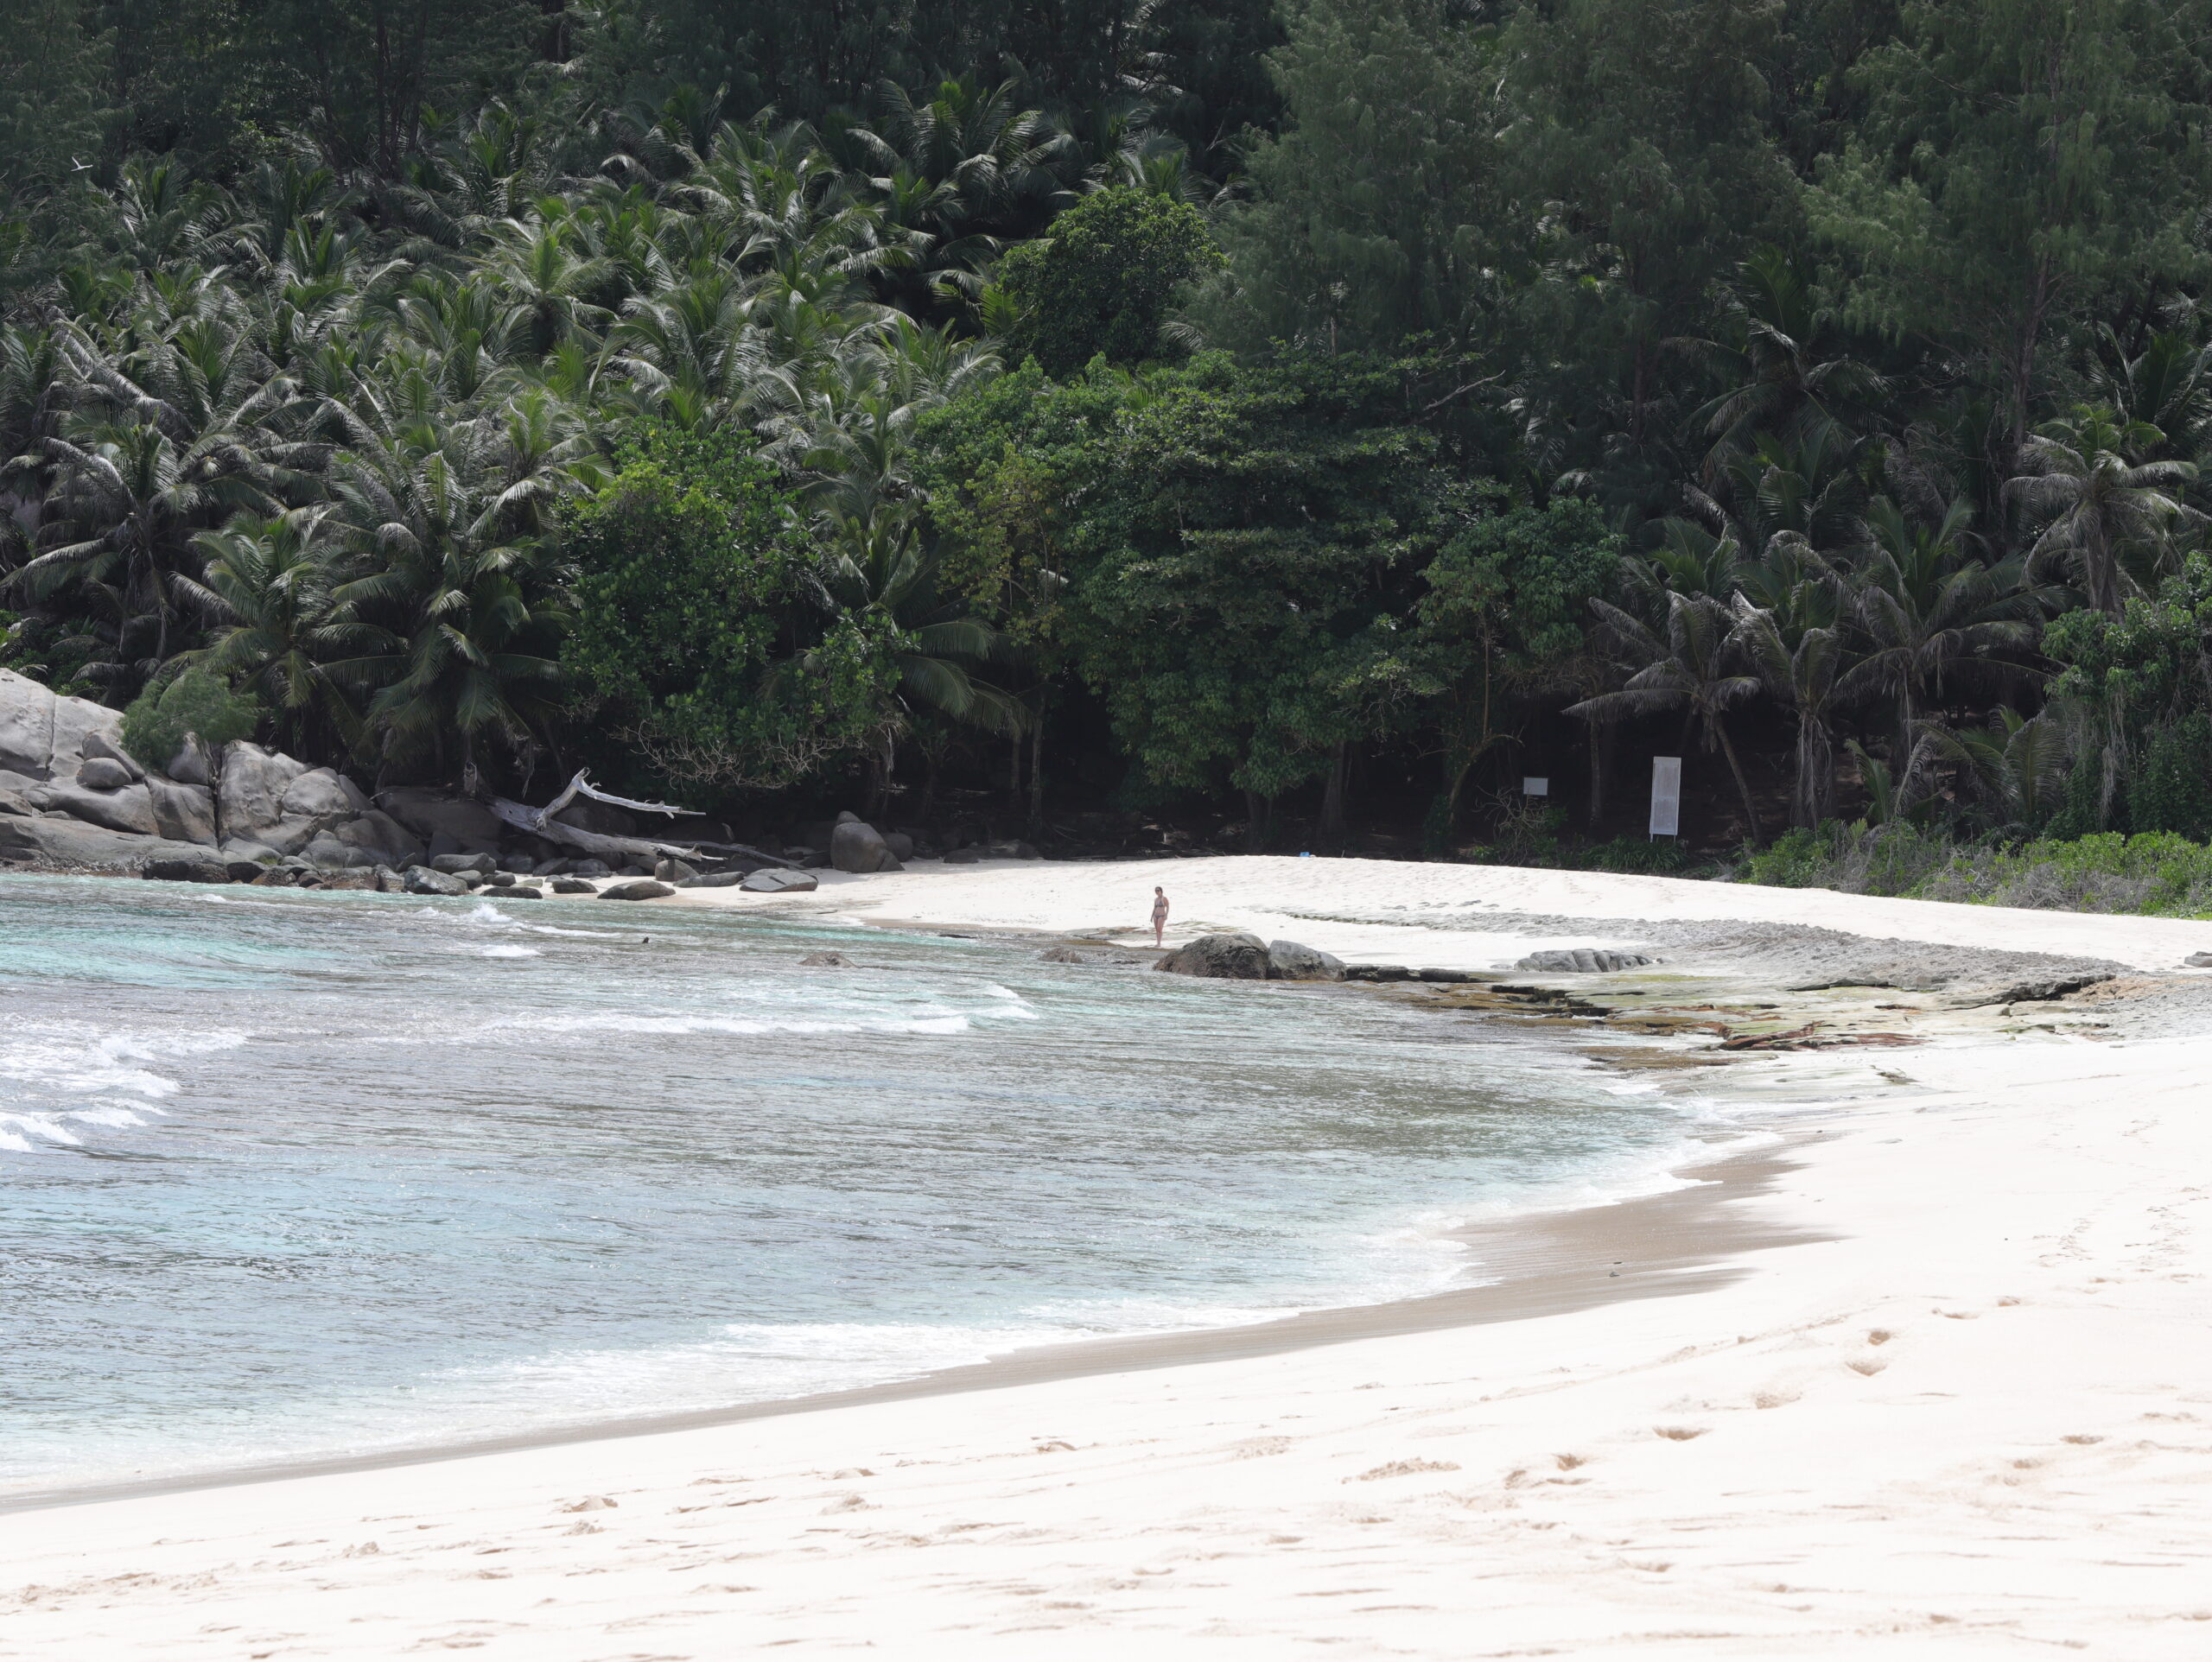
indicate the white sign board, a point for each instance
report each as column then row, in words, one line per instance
column 1530, row 787
column 1666, row 795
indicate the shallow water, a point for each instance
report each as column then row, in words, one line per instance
column 292, row 1175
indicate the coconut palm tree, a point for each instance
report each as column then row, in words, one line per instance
column 1692, row 662
column 1934, row 611
column 1771, row 354
column 127, row 502
column 1814, row 668
column 2014, row 767
column 453, row 617
column 2100, row 511
column 267, row 590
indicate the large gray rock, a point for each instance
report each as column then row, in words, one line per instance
column 189, row 765
column 26, row 726
column 322, row 791
column 326, row 850
column 712, row 880
column 421, row 879
column 1288, row 960
column 857, row 847
column 429, row 814
column 130, row 809
column 59, row 841
column 775, row 881
column 286, row 836
column 14, row 801
column 100, row 746
column 237, row 849
column 603, row 818
column 1228, row 956
column 253, row 787
column 44, row 737
column 456, row 864
column 182, row 813
column 203, row 870
column 1584, row 960
column 103, row 773
column 380, row 834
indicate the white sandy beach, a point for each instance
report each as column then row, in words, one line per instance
column 1941, row 1387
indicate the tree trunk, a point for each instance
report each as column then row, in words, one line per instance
column 1813, row 799
column 1329, row 836
column 1601, row 764
column 1255, row 822
column 879, row 792
column 1742, row 785
column 930, row 762
column 1037, row 768
column 1458, row 764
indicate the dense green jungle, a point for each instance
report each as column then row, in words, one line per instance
column 1230, row 425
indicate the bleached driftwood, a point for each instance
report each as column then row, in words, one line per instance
column 540, row 822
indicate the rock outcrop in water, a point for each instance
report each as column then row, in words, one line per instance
column 1234, row 955
column 1584, row 960
column 1230, row 955
column 1288, row 960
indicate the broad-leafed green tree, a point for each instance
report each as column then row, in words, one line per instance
column 2020, row 159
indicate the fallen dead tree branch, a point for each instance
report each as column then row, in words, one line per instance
column 540, row 822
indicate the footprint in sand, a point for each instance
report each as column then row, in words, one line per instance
column 1404, row 1468
column 1680, row 1433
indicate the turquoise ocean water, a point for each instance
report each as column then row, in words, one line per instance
column 286, row 1175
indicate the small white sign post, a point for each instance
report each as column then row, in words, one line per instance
column 1531, row 786
column 1666, row 795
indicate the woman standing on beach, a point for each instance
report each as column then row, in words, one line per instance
column 1158, row 915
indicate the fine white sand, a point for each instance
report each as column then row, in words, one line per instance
column 1943, row 1387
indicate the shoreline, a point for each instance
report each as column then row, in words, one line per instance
column 1556, row 1260
column 1918, row 1374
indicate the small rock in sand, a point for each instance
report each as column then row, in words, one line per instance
column 779, row 882
column 643, row 888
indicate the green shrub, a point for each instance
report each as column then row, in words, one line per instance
column 2157, row 874
column 1798, row 859
column 1635, row 856
column 2171, row 790
column 198, row 703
